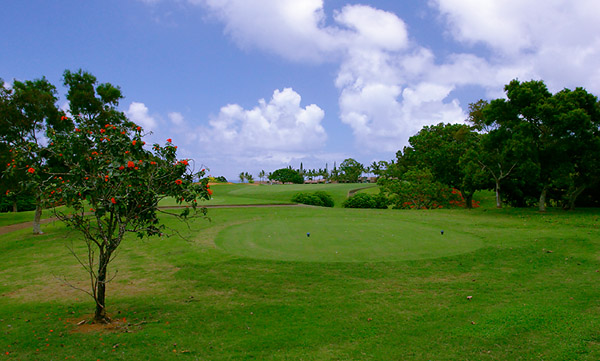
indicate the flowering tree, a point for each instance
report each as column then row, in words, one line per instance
column 112, row 185
column 111, row 182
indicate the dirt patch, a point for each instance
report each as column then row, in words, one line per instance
column 116, row 325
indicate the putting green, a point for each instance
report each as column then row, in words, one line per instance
column 350, row 238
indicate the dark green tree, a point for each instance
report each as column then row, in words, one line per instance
column 350, row 170
column 446, row 149
column 286, row 175
column 552, row 137
column 28, row 113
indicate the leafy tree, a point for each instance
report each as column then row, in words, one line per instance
column 378, row 168
column 110, row 183
column 445, row 150
column 109, row 174
column 350, row 170
column 496, row 153
column 28, row 112
column 576, row 121
column 419, row 189
column 286, row 175
column 261, row 175
column 554, row 138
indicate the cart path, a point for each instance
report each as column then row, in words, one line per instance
column 23, row 225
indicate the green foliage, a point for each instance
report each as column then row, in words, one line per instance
column 550, row 142
column 318, row 198
column 450, row 152
column 365, row 200
column 23, row 201
column 110, row 183
column 286, row 175
column 418, row 189
column 349, row 171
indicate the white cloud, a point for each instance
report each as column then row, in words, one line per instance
column 278, row 129
column 385, row 95
column 138, row 113
column 389, row 85
column 290, row 28
column 176, row 118
column 554, row 40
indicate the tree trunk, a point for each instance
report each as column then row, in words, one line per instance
column 468, row 200
column 37, row 226
column 573, row 197
column 542, row 204
column 498, row 198
column 100, row 314
column 15, row 208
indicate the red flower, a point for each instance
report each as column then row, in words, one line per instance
column 139, row 129
column 209, row 191
column 184, row 162
column 63, row 118
column 102, row 130
column 121, row 168
column 107, row 125
column 77, row 130
column 140, row 161
column 178, row 181
column 169, row 140
column 133, row 142
column 113, row 200
column 31, row 170
column 130, row 164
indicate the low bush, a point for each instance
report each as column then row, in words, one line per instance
column 364, row 200
column 319, row 198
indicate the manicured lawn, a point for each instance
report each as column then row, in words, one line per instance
column 250, row 284
column 236, row 194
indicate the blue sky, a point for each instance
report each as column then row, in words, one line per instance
column 250, row 85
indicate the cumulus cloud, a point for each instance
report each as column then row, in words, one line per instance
column 555, row 40
column 385, row 94
column 278, row 129
column 290, row 28
column 138, row 113
column 390, row 86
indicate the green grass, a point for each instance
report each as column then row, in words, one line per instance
column 252, row 194
column 395, row 291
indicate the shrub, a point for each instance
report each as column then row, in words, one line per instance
column 319, row 198
column 325, row 198
column 364, row 200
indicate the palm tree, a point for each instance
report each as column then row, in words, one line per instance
column 242, row 177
